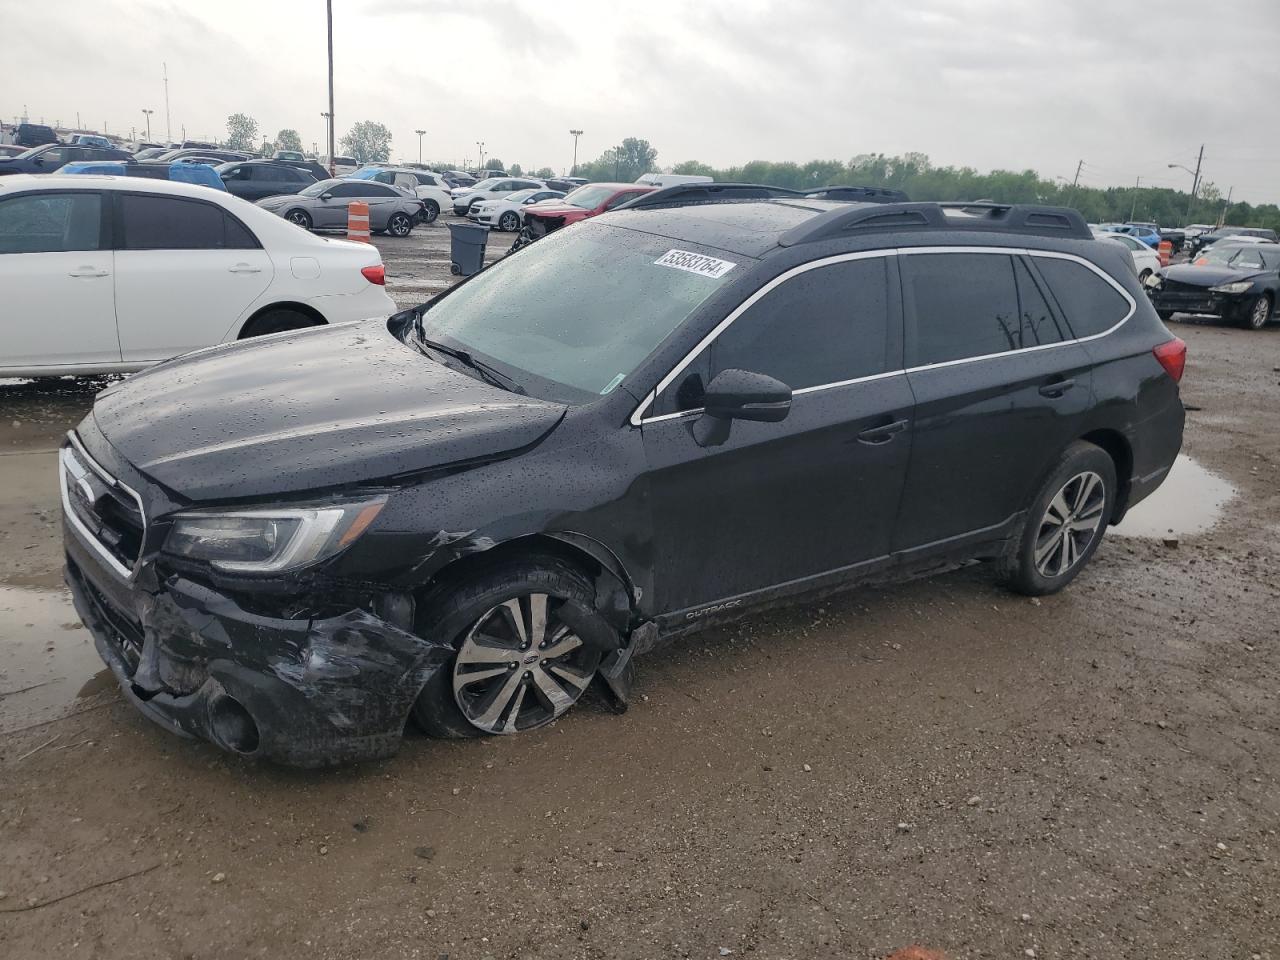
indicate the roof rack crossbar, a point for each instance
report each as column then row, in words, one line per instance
column 688, row 193
column 863, row 194
column 982, row 216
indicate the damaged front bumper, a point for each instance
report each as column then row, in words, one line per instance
column 304, row 692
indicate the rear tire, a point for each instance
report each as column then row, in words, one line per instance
column 1064, row 524
column 430, row 210
column 400, row 225
column 277, row 321
column 542, row 601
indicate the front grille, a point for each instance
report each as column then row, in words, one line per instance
column 1174, row 286
column 103, row 510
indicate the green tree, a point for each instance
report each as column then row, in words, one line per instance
column 242, row 132
column 288, row 139
column 368, row 141
column 492, row 163
column 542, row 173
column 624, row 162
column 515, row 170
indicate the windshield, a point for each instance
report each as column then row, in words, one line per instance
column 590, row 196
column 580, row 308
column 1233, row 255
column 366, row 173
column 521, row 195
column 317, row 188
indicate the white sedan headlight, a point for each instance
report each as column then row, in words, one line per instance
column 1240, row 286
column 271, row 539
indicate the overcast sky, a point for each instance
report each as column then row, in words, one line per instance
column 1128, row 87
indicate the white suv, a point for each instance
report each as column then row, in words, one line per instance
column 495, row 188
column 426, row 185
column 111, row 274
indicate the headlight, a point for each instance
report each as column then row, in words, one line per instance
column 272, row 539
column 1240, row 286
column 1153, row 280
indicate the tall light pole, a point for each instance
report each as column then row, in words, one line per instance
column 328, row 135
column 148, row 113
column 419, row 133
column 480, row 162
column 1133, row 207
column 328, row 10
column 168, row 128
column 575, row 134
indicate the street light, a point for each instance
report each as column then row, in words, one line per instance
column 148, row 113
column 480, row 162
column 575, row 134
column 419, row 133
column 328, row 136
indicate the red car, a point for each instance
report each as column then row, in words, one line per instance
column 587, row 201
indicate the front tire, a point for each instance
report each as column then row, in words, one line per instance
column 1065, row 523
column 528, row 642
column 300, row 218
column 400, row 225
column 509, row 222
column 1165, row 315
column 1259, row 312
column 430, row 210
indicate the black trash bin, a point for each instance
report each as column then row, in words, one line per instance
column 466, row 248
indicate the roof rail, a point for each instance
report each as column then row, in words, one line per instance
column 1024, row 218
column 857, row 194
column 688, row 193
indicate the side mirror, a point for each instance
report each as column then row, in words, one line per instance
column 38, row 161
column 326, row 196
column 743, row 395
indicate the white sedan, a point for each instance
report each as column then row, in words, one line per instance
column 1145, row 260
column 112, row 274
column 508, row 213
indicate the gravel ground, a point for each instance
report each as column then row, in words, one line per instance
column 1093, row 774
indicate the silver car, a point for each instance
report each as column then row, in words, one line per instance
column 323, row 206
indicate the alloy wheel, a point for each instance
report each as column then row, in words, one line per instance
column 400, row 225
column 301, row 219
column 1070, row 524
column 509, row 221
column 520, row 666
column 1261, row 313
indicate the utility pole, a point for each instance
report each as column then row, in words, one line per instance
column 480, row 162
column 1133, row 207
column 1075, row 181
column 148, row 114
column 1195, row 182
column 575, row 134
column 419, row 133
column 168, row 127
column 1223, row 218
column 328, row 9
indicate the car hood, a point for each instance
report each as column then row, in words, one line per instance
column 557, row 208
column 310, row 410
column 279, row 200
column 1208, row 275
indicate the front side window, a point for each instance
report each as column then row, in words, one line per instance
column 820, row 327
column 173, row 223
column 962, row 305
column 50, row 223
column 1091, row 304
column 575, row 313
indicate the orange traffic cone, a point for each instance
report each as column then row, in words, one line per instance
column 358, row 221
column 1166, row 251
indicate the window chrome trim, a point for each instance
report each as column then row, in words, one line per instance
column 92, row 541
column 637, row 415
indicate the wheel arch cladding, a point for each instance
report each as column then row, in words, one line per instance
column 1117, row 447
column 308, row 311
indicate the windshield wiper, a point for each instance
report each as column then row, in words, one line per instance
column 487, row 373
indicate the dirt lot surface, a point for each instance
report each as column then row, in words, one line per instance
column 1096, row 774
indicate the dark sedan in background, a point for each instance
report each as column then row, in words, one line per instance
column 255, row 179
column 1239, row 282
column 53, row 156
column 1209, row 238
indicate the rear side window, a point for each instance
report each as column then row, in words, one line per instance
column 1091, row 304
column 962, row 305
column 822, row 326
column 1038, row 324
column 173, row 223
column 50, row 223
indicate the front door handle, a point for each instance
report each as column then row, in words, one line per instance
column 1056, row 389
column 245, row 268
column 883, row 433
column 87, row 272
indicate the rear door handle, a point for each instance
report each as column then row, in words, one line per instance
column 87, row 272
column 245, row 268
column 1056, row 389
column 883, row 433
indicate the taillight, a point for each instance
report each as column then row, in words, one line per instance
column 1173, row 357
column 378, row 274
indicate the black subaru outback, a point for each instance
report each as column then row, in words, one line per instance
column 471, row 513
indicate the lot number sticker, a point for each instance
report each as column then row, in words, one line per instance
column 695, row 263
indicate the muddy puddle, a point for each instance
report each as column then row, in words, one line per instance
column 1189, row 501
column 48, row 665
